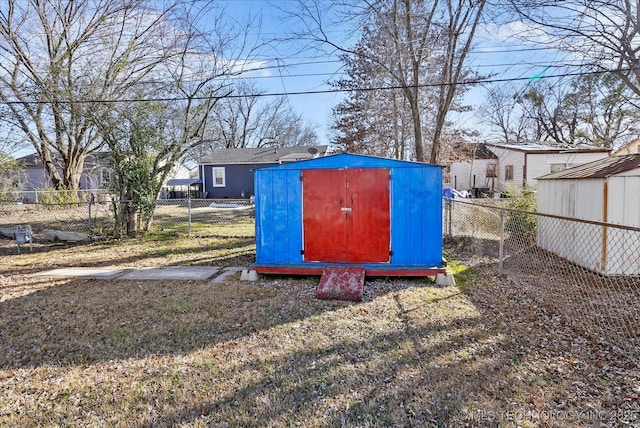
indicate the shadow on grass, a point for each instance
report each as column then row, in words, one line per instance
column 87, row 321
column 385, row 379
column 210, row 251
column 265, row 355
column 270, row 354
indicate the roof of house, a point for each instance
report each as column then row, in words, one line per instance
column 602, row 168
column 183, row 181
column 471, row 151
column 545, row 147
column 629, row 148
column 94, row 159
column 268, row 155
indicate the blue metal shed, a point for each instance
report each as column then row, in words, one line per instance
column 381, row 214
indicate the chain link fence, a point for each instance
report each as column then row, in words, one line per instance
column 95, row 219
column 587, row 272
column 203, row 217
column 44, row 196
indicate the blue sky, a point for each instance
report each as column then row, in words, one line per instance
column 289, row 70
column 497, row 53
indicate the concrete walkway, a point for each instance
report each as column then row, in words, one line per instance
column 198, row 273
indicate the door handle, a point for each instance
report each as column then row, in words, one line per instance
column 347, row 209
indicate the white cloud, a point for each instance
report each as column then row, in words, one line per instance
column 514, row 32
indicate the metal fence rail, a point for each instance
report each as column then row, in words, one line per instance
column 588, row 272
column 190, row 217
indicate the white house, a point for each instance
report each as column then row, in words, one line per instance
column 604, row 191
column 522, row 164
column 630, row 148
column 476, row 170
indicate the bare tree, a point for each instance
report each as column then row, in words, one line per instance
column 500, row 111
column 594, row 109
column 610, row 109
column 277, row 123
column 605, row 34
column 59, row 59
column 409, row 31
column 166, row 118
column 233, row 125
column 247, row 119
column 374, row 122
column 461, row 21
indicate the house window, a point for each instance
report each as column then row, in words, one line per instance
column 508, row 172
column 557, row 167
column 105, row 177
column 219, row 177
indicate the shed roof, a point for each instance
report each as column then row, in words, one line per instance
column 350, row 160
column 545, row 147
column 270, row 155
column 183, row 181
column 601, row 168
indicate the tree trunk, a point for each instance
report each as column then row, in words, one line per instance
column 130, row 215
column 50, row 167
column 74, row 165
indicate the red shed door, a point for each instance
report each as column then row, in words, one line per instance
column 346, row 215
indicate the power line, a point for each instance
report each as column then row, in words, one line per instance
column 281, row 66
column 324, row 91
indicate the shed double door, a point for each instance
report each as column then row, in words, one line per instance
column 346, row 215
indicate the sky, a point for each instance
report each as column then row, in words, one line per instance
column 304, row 74
column 497, row 53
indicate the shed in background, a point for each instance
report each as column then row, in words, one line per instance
column 384, row 215
column 604, row 191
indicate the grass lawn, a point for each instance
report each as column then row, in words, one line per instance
column 79, row 352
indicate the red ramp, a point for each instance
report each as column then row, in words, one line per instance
column 341, row 283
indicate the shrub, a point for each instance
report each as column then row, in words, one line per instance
column 524, row 199
column 59, row 197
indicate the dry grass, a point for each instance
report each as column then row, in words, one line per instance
column 78, row 352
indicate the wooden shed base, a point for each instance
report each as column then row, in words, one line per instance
column 410, row 271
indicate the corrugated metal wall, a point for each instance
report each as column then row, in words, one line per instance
column 415, row 199
column 591, row 246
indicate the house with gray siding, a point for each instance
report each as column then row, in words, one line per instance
column 228, row 173
column 95, row 176
column 34, row 177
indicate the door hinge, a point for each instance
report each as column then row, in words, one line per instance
column 390, row 253
column 302, row 252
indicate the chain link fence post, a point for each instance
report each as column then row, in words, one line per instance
column 89, row 225
column 189, row 213
column 449, row 208
column 501, row 251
